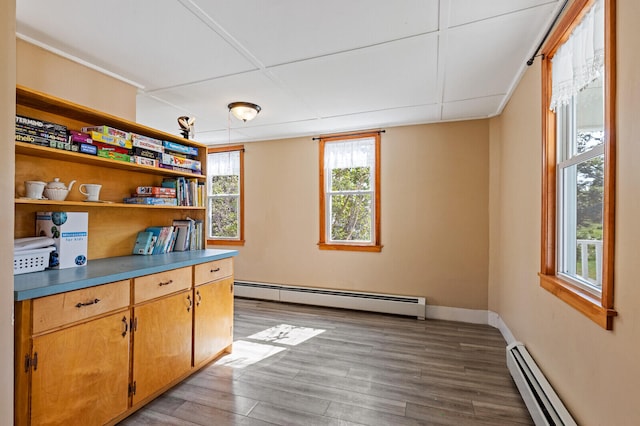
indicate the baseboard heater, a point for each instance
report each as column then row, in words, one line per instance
column 373, row 302
column 543, row 403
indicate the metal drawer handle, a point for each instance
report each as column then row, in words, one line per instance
column 215, row 270
column 91, row 302
column 165, row 283
column 199, row 298
column 126, row 326
column 190, row 303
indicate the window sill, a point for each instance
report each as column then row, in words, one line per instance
column 225, row 242
column 350, row 247
column 586, row 303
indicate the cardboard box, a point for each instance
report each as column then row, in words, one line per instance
column 176, row 147
column 172, row 160
column 69, row 231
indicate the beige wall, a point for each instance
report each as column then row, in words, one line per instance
column 595, row 372
column 44, row 71
column 7, row 115
column 434, row 217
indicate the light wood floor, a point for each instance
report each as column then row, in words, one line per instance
column 364, row 369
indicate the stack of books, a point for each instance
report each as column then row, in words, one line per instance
column 153, row 195
column 181, row 235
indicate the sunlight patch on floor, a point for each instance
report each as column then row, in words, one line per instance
column 286, row 334
column 247, row 353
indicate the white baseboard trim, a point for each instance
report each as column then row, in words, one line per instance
column 473, row 316
column 496, row 321
column 447, row 313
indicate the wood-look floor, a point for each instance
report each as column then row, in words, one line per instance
column 364, row 369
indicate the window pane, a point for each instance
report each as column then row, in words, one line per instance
column 583, row 189
column 224, row 217
column 352, row 179
column 351, row 217
column 224, row 185
column 590, row 117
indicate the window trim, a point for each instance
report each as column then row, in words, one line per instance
column 376, row 246
column 241, row 240
column 599, row 309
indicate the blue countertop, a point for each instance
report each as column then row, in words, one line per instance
column 103, row 271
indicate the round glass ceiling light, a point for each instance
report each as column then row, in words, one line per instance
column 245, row 111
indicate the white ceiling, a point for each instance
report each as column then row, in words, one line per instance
column 315, row 67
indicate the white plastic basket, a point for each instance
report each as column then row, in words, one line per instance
column 31, row 260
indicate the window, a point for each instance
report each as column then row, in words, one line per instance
column 578, row 74
column 225, row 200
column 350, row 192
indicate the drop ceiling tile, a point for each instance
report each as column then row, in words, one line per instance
column 485, row 58
column 155, row 43
column 208, row 100
column 347, row 123
column 466, row 11
column 291, row 30
column 392, row 75
column 155, row 113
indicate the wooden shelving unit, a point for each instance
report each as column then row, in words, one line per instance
column 113, row 225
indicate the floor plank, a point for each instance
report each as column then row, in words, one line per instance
column 363, row 369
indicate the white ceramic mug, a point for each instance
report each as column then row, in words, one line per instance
column 34, row 189
column 91, row 190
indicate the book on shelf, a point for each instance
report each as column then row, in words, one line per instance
column 189, row 192
column 152, row 201
column 144, row 243
column 183, row 236
column 164, row 236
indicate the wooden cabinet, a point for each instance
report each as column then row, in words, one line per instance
column 162, row 330
column 73, row 353
column 94, row 355
column 213, row 320
column 161, row 344
column 82, row 372
column 213, row 315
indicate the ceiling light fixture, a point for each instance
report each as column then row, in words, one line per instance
column 244, row 111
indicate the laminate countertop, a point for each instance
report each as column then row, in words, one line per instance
column 103, row 271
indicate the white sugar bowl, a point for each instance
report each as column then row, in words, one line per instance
column 56, row 190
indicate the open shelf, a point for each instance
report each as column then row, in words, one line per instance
column 58, row 154
column 113, row 225
column 104, row 204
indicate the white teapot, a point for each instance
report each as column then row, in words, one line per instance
column 57, row 190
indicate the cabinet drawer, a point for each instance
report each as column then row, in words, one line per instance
column 61, row 309
column 160, row 284
column 212, row 271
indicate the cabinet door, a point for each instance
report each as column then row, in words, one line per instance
column 213, row 323
column 82, row 372
column 161, row 343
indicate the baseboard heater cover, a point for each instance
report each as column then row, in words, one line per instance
column 543, row 403
column 373, row 302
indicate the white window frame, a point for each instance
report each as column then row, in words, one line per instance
column 566, row 138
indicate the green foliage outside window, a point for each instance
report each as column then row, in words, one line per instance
column 351, row 209
column 223, row 206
